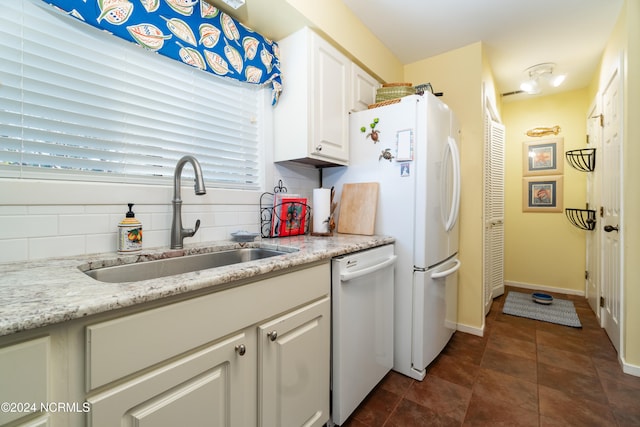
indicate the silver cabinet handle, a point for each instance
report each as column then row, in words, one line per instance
column 318, row 147
column 273, row 335
column 241, row 349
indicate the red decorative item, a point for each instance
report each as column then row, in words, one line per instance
column 292, row 213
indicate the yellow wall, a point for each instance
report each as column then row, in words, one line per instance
column 631, row 198
column 331, row 18
column 337, row 21
column 544, row 249
column 458, row 74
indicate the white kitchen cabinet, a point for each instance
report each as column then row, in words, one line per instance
column 363, row 89
column 294, row 366
column 24, row 381
column 203, row 360
column 207, row 387
column 311, row 118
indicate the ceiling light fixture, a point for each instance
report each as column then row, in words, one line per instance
column 234, row 3
column 541, row 74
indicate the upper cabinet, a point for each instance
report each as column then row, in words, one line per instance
column 363, row 89
column 312, row 115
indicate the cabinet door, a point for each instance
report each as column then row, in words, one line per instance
column 330, row 108
column 206, row 388
column 294, row 368
column 24, row 373
column 363, row 89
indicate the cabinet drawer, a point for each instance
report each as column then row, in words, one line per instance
column 123, row 346
column 23, row 374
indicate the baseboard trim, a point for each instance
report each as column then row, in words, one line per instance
column 544, row 288
column 471, row 329
column 630, row 369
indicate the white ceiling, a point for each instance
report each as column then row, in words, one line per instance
column 516, row 33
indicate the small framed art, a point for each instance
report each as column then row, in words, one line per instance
column 292, row 214
column 542, row 194
column 543, row 157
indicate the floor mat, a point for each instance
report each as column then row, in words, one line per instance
column 560, row 311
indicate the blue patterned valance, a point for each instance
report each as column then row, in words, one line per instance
column 190, row 31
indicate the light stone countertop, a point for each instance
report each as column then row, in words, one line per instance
column 39, row 293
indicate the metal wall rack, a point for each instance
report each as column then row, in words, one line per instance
column 583, row 159
column 584, row 219
column 269, row 212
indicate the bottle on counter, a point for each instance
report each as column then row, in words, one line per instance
column 129, row 233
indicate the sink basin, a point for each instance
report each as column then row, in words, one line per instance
column 184, row 264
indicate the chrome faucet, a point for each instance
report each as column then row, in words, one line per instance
column 177, row 232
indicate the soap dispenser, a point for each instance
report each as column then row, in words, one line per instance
column 129, row 233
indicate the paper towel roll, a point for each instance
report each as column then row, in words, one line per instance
column 321, row 209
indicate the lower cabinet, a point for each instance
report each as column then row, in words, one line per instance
column 294, row 367
column 24, row 382
column 205, row 388
column 253, row 355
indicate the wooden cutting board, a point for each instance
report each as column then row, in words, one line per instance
column 358, row 204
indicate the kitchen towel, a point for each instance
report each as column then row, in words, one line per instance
column 321, row 209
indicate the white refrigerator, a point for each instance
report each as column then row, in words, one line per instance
column 411, row 149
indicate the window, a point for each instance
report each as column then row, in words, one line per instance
column 79, row 103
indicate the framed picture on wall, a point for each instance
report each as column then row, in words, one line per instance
column 542, row 194
column 543, row 157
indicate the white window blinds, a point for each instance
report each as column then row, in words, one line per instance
column 79, row 103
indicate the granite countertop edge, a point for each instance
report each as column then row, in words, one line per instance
column 40, row 293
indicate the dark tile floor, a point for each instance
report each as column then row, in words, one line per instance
column 521, row 373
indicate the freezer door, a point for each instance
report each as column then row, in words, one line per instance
column 435, row 312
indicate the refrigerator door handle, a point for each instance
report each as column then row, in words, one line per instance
column 344, row 277
column 445, row 273
column 455, row 199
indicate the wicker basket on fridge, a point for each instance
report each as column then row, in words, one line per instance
column 390, row 91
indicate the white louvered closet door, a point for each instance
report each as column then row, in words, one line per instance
column 493, row 253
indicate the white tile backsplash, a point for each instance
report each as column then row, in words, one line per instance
column 46, row 247
column 14, row 249
column 23, row 226
column 83, row 224
column 76, row 218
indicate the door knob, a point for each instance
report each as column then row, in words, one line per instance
column 241, row 349
column 273, row 335
column 610, row 228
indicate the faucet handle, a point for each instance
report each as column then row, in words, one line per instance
column 189, row 232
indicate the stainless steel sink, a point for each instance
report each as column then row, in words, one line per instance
column 184, row 264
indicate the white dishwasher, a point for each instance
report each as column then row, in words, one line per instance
column 362, row 286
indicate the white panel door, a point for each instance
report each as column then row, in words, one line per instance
column 594, row 133
column 610, row 223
